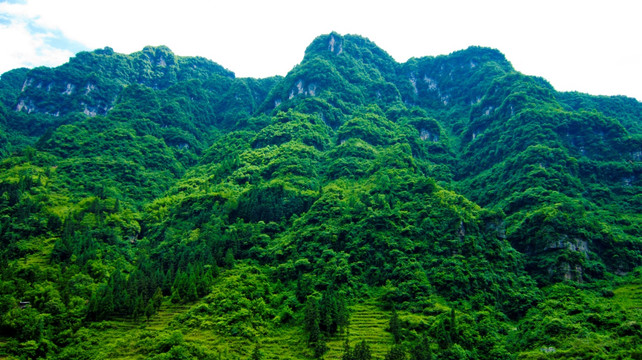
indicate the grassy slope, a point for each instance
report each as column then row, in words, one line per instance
column 627, row 301
column 119, row 339
column 369, row 323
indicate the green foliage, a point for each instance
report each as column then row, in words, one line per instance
column 154, row 206
column 396, row 353
column 362, row 351
column 395, row 326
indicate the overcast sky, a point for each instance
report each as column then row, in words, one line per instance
column 588, row 46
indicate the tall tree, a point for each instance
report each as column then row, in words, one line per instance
column 347, row 351
column 362, row 351
column 395, row 326
column 395, row 353
column 421, row 350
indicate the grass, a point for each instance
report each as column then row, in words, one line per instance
column 38, row 250
column 286, row 343
column 3, row 342
column 124, row 334
column 629, row 297
column 120, row 338
column 367, row 322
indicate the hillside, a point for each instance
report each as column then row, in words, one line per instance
column 450, row 207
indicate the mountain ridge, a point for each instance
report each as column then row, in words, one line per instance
column 469, row 197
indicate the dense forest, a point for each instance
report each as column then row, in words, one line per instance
column 156, row 206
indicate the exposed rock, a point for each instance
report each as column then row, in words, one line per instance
column 89, row 111
column 89, row 88
column 432, row 84
column 69, row 89
column 413, row 81
column 300, row 88
column 477, row 131
column 568, row 273
column 428, row 136
column 576, row 245
column 461, row 232
column 29, row 107
column 27, row 83
column 335, row 46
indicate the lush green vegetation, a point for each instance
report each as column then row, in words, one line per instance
column 155, row 206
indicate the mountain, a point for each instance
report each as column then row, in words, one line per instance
column 156, row 206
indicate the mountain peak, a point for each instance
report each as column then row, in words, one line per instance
column 328, row 43
column 352, row 45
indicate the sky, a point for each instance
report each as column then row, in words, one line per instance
column 589, row 46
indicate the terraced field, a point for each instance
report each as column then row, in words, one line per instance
column 119, row 337
column 369, row 323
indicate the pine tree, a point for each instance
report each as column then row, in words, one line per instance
column 314, row 335
column 167, row 282
column 175, row 298
column 395, row 353
column 347, row 352
column 149, row 310
column 343, row 314
column 93, row 308
column 362, row 351
column 105, row 303
column 138, row 309
column 302, row 288
column 421, row 351
column 157, row 299
column 229, row 258
column 453, row 325
column 320, row 347
column 192, row 293
column 329, row 313
column 442, row 334
column 311, row 314
column 395, row 326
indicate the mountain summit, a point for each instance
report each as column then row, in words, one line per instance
column 157, row 206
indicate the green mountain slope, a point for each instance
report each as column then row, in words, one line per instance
column 174, row 211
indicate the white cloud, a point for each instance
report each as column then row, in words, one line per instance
column 23, row 48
